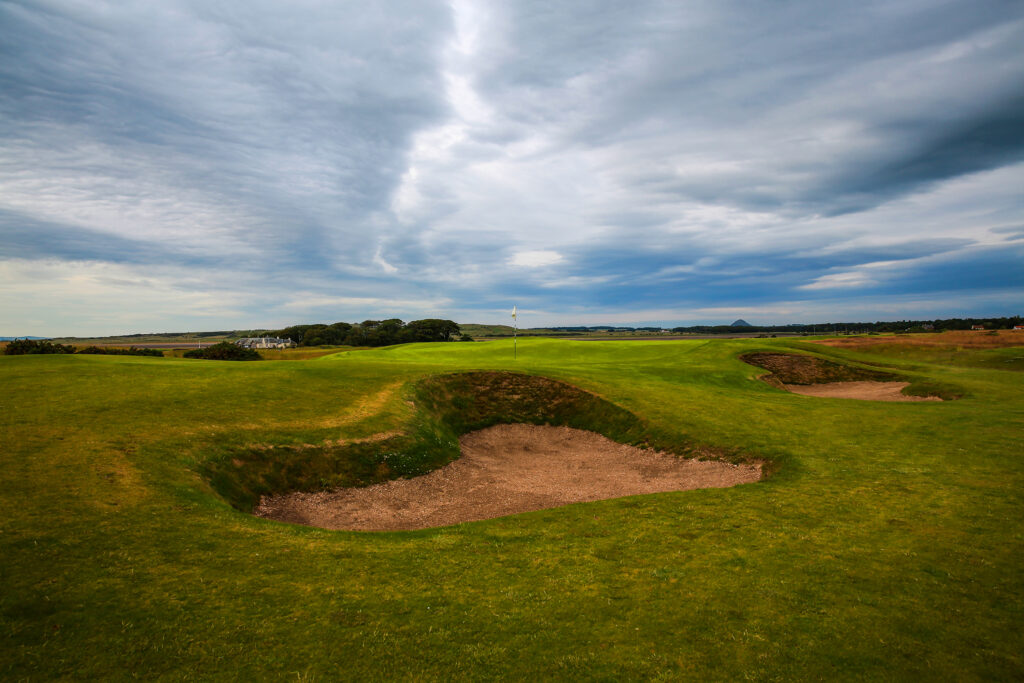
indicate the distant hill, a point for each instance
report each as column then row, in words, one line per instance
column 21, row 337
column 741, row 323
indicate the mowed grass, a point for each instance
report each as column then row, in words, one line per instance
column 886, row 545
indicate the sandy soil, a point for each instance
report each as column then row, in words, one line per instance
column 865, row 391
column 504, row 470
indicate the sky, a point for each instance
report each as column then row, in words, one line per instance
column 173, row 166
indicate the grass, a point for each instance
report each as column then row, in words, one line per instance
column 886, row 545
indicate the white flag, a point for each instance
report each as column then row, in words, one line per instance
column 514, row 312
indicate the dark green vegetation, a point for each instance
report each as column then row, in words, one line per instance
column 223, row 351
column 23, row 347
column 886, row 545
column 113, row 351
column 372, row 332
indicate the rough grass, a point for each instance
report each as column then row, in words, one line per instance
column 956, row 339
column 886, row 546
column 792, row 368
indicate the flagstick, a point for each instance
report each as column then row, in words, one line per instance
column 515, row 332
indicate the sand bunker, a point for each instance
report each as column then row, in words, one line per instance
column 812, row 376
column 504, row 470
column 865, row 391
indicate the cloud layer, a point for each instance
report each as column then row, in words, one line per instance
column 188, row 166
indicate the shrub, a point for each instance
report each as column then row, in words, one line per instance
column 130, row 351
column 224, row 351
column 20, row 347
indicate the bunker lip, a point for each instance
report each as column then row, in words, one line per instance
column 812, row 376
column 506, row 469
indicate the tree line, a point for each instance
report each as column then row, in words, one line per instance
column 373, row 333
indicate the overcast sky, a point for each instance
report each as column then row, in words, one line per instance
column 172, row 165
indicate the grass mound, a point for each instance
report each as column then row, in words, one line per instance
column 447, row 406
column 468, row 401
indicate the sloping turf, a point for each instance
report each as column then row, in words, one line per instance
column 888, row 544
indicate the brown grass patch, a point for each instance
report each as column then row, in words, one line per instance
column 965, row 339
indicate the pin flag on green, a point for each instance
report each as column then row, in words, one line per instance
column 515, row 332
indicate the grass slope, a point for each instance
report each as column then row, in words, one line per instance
column 887, row 544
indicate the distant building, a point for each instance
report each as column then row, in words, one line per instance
column 1018, row 327
column 265, row 343
column 977, row 327
column 927, row 326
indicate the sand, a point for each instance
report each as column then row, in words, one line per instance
column 865, row 391
column 504, row 470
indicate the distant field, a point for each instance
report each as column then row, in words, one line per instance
column 168, row 338
column 967, row 339
column 886, row 544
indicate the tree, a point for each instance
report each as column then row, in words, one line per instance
column 224, row 351
column 21, row 347
column 314, row 336
column 431, row 329
column 373, row 332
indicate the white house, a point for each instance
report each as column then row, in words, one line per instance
column 265, row 343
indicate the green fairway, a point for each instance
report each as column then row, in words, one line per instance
column 887, row 543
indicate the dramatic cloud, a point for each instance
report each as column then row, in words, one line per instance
column 183, row 165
